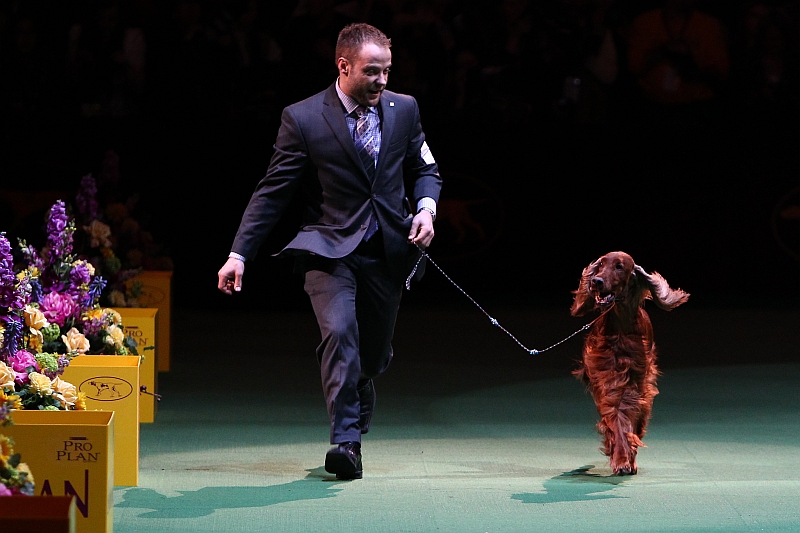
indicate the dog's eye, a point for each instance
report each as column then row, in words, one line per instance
column 618, row 266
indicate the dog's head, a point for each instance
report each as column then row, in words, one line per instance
column 616, row 278
column 607, row 279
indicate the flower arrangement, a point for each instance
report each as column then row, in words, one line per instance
column 61, row 299
column 30, row 376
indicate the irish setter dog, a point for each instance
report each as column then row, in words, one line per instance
column 619, row 356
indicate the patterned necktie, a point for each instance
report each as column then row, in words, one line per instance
column 364, row 138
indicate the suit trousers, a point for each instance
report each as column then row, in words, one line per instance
column 355, row 300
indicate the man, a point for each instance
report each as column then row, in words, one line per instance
column 350, row 151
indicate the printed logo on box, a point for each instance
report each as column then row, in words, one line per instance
column 69, row 490
column 77, row 450
column 136, row 334
column 106, row 388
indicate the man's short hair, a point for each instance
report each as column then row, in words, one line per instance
column 354, row 36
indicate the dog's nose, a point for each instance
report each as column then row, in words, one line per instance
column 597, row 283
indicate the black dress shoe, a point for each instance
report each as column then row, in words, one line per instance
column 344, row 460
column 366, row 395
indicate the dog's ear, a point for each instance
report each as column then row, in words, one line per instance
column 655, row 287
column 584, row 301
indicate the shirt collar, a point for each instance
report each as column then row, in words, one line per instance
column 349, row 104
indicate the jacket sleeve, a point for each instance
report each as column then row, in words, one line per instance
column 274, row 192
column 420, row 167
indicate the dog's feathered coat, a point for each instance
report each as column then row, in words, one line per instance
column 619, row 356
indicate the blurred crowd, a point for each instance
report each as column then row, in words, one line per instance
column 518, row 61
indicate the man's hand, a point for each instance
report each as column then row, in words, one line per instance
column 421, row 232
column 230, row 276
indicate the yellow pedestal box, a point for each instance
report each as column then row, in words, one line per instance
column 70, row 453
column 111, row 383
column 157, row 292
column 141, row 324
column 53, row 514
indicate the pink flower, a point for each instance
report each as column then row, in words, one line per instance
column 4, row 491
column 22, row 360
column 58, row 307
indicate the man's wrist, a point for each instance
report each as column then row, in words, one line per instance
column 429, row 210
column 234, row 255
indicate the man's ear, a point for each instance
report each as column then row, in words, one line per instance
column 343, row 66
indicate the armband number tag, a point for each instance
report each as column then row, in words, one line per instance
column 426, row 154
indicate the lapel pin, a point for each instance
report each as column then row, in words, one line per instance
column 391, row 104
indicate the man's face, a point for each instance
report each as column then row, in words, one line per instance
column 364, row 76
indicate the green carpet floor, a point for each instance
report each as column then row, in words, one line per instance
column 471, row 434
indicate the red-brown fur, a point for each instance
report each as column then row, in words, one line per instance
column 619, row 356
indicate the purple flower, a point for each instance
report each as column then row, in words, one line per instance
column 9, row 295
column 92, row 326
column 22, row 378
column 58, row 307
column 12, row 335
column 96, row 289
column 59, row 232
column 31, row 256
column 36, row 294
column 79, row 275
column 21, row 360
column 86, row 198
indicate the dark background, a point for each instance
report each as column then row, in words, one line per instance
column 537, row 184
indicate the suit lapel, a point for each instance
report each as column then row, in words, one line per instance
column 333, row 112
column 387, row 127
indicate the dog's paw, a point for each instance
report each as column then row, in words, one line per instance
column 626, row 470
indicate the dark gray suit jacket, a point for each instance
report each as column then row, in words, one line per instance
column 315, row 155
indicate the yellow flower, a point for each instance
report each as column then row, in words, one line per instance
column 113, row 315
column 6, row 448
column 75, row 341
column 34, row 318
column 93, row 314
column 32, row 272
column 41, row 384
column 24, row 468
column 7, row 376
column 66, row 392
column 115, row 336
column 80, row 401
column 36, row 340
column 16, row 402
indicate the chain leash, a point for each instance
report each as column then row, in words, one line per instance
column 531, row 351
